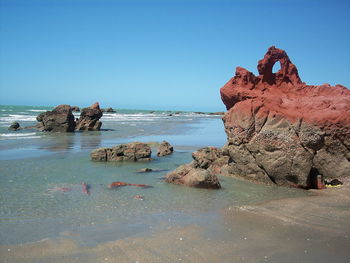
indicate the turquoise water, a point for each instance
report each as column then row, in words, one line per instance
column 41, row 173
column 123, row 126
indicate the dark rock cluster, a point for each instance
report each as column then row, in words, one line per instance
column 89, row 118
column 61, row 119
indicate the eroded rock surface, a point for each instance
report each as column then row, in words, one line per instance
column 89, row 118
column 135, row 151
column 194, row 177
column 201, row 172
column 281, row 130
column 60, row 119
column 211, row 159
column 164, row 149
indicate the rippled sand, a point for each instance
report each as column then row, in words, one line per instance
column 305, row 229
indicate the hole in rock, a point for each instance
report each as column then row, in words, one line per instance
column 276, row 67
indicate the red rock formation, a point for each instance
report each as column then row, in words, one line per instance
column 283, row 93
column 279, row 128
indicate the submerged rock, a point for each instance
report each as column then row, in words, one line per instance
column 14, row 126
column 120, row 184
column 89, row 118
column 145, row 170
column 165, row 149
column 60, row 119
column 135, row 151
column 281, row 130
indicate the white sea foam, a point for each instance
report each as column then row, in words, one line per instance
column 124, row 118
column 14, row 136
column 17, row 117
column 17, row 134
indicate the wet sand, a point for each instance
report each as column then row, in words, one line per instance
column 306, row 229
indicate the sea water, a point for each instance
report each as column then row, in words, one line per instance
column 41, row 195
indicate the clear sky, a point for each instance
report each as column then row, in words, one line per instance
column 169, row 54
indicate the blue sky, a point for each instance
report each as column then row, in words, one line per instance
column 170, row 54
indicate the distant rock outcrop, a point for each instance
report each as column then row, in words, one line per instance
column 89, row 118
column 135, row 151
column 165, row 149
column 60, row 119
column 14, row 126
column 281, row 130
column 109, row 110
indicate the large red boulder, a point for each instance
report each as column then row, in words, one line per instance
column 283, row 131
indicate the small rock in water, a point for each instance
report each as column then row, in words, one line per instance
column 116, row 184
column 145, row 170
column 188, row 175
column 119, row 184
column 134, row 151
column 110, row 110
column 165, row 149
column 14, row 126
